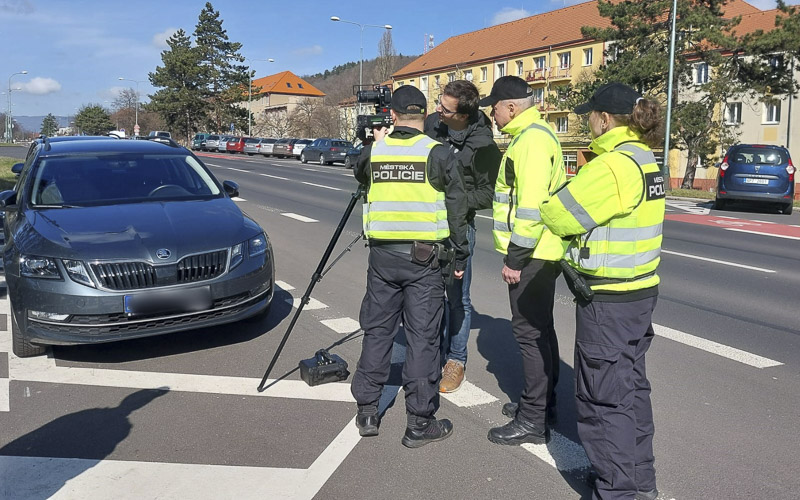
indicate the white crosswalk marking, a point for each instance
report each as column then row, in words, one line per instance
column 301, row 218
column 469, row 395
column 342, row 325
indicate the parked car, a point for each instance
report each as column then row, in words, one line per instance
column 353, row 153
column 299, row 146
column 283, row 147
column 266, row 146
column 252, row 145
column 109, row 240
column 236, row 144
column 159, row 133
column 326, row 151
column 223, row 143
column 211, row 143
column 199, row 139
column 756, row 172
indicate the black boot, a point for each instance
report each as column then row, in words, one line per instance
column 367, row 420
column 517, row 432
column 510, row 411
column 647, row 495
column 425, row 431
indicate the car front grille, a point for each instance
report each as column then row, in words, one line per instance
column 138, row 275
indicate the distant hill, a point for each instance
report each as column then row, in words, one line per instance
column 34, row 123
column 337, row 83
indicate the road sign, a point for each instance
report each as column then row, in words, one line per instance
column 231, row 126
column 136, row 129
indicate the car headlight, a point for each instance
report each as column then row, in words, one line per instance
column 77, row 271
column 32, row 266
column 236, row 255
column 257, row 245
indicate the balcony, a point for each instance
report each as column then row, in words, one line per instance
column 561, row 73
column 537, row 75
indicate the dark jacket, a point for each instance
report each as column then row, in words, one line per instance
column 477, row 153
column 445, row 176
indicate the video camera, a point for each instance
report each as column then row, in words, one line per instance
column 381, row 97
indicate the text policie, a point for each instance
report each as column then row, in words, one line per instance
column 381, row 97
column 407, row 172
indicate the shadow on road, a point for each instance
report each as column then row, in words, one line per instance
column 91, row 435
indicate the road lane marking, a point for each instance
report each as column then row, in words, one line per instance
column 275, row 177
column 321, row 186
column 561, row 453
column 484, row 216
column 311, row 170
column 5, row 395
column 236, row 198
column 283, row 285
column 725, row 263
column 301, row 218
column 469, row 395
column 763, row 234
column 725, row 351
column 312, row 303
column 240, row 170
column 764, row 221
column 342, row 325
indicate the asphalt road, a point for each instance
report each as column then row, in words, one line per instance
column 91, row 422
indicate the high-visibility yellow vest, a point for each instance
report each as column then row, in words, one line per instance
column 516, row 215
column 401, row 203
column 622, row 254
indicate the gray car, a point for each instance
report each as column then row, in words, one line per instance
column 212, row 142
column 111, row 240
column 252, row 145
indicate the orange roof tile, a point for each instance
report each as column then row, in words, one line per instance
column 552, row 29
column 764, row 21
column 286, row 83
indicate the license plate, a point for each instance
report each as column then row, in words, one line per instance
column 748, row 180
column 171, row 301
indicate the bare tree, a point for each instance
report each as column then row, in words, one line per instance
column 125, row 109
column 273, row 123
column 385, row 64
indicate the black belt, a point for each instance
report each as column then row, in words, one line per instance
column 595, row 281
column 393, row 246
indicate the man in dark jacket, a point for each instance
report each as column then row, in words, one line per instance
column 460, row 124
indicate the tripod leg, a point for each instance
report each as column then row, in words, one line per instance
column 316, row 277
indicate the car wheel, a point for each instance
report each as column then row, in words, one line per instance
column 22, row 348
column 249, row 154
column 347, row 162
column 787, row 210
column 303, row 158
column 321, row 159
column 719, row 204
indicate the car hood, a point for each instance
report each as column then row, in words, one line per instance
column 135, row 231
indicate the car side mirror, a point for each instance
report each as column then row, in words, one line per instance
column 17, row 168
column 231, row 188
column 8, row 200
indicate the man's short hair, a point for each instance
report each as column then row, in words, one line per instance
column 467, row 95
column 416, row 113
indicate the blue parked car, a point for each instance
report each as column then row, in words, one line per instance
column 756, row 172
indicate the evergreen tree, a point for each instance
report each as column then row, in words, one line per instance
column 49, row 125
column 179, row 99
column 225, row 80
column 93, row 119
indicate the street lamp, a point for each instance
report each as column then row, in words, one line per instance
column 250, row 93
column 9, row 120
column 361, row 59
column 136, row 127
column 669, row 90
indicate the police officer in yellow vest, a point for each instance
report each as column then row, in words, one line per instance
column 612, row 211
column 416, row 203
column 531, row 169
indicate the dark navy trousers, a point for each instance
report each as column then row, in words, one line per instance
column 400, row 289
column 615, row 418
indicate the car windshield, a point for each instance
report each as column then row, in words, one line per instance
column 760, row 156
column 106, row 179
column 251, row 140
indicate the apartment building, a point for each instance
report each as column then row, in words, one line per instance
column 275, row 97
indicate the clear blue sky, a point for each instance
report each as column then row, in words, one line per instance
column 75, row 50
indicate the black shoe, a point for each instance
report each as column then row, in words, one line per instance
column 367, row 420
column 647, row 495
column 510, row 411
column 517, row 432
column 433, row 430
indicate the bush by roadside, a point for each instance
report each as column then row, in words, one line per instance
column 7, row 179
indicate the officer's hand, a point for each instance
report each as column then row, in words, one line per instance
column 510, row 276
column 380, row 133
column 458, row 274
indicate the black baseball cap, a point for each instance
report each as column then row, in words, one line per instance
column 406, row 96
column 614, row 98
column 507, row 87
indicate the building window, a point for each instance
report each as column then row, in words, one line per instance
column 587, row 57
column 468, row 75
column 484, row 75
column 733, row 113
column 300, row 85
column 423, row 84
column 451, row 77
column 538, row 95
column 540, row 62
column 701, row 73
column 565, row 60
column 400, row 84
column 501, row 70
column 411, row 82
column 772, row 112
column 562, row 123
column 519, row 68
column 776, row 61
column 570, row 163
column 288, row 84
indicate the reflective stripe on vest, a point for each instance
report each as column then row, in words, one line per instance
column 401, row 203
column 625, row 252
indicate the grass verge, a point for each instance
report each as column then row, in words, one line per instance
column 7, row 179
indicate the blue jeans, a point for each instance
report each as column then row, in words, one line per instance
column 458, row 313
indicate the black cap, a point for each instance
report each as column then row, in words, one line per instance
column 614, row 98
column 406, row 96
column 507, row 87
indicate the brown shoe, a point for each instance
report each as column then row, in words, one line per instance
column 452, row 376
